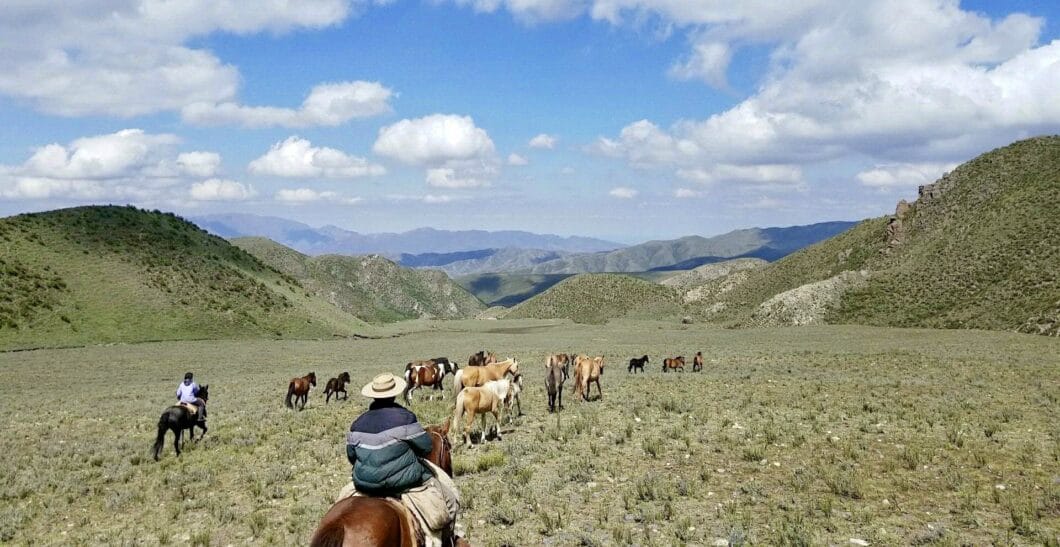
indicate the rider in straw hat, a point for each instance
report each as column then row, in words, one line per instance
column 385, row 445
column 386, row 442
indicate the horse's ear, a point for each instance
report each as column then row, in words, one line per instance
column 445, row 426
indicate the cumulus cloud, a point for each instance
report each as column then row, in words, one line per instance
column 309, row 195
column 327, row 105
column 130, row 57
column 623, row 192
column 453, row 150
column 903, row 175
column 433, row 139
column 516, row 159
column 883, row 81
column 543, row 140
column 127, row 165
column 221, row 190
column 296, row 157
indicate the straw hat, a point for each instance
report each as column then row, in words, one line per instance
column 384, row 386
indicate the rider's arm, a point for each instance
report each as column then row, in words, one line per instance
column 420, row 441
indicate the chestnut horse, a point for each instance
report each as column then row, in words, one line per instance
column 370, row 521
column 676, row 363
column 429, row 372
column 335, row 385
column 588, row 370
column 697, row 362
column 299, row 389
column 477, row 376
column 637, row 364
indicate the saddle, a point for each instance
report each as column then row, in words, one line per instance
column 190, row 407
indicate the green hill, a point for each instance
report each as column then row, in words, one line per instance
column 120, row 274
column 508, row 289
column 595, row 298
column 370, row 287
column 980, row 248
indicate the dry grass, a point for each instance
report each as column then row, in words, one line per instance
column 789, row 436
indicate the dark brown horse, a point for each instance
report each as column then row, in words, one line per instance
column 676, row 363
column 177, row 418
column 368, row 521
column 335, row 385
column 557, row 370
column 481, row 358
column 697, row 362
column 299, row 389
column 637, row 363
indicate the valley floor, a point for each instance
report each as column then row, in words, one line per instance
column 807, row 436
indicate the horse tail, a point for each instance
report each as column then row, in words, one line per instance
column 458, row 411
column 290, row 392
column 458, row 379
column 161, row 438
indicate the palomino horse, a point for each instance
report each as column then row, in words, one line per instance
column 588, row 370
column 429, row 372
column 177, row 418
column 676, row 363
column 557, row 370
column 477, row 376
column 335, row 385
column 697, row 362
column 637, row 363
column 490, row 398
column 379, row 522
column 299, row 389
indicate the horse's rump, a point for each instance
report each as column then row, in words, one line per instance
column 364, row 520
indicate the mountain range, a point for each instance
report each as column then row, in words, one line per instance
column 335, row 240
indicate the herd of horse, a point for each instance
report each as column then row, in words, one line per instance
column 486, row 386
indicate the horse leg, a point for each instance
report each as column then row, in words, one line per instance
column 599, row 392
column 177, row 434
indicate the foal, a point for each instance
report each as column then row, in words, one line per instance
column 637, row 364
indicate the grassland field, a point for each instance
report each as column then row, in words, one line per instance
column 798, row 436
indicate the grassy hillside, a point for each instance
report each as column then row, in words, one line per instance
column 692, row 251
column 979, row 249
column 120, row 274
column 984, row 253
column 504, row 289
column 370, row 287
column 595, row 298
column 702, row 274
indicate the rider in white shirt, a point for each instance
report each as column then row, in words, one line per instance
column 188, row 393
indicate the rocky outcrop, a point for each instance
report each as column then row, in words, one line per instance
column 707, row 272
column 808, row 304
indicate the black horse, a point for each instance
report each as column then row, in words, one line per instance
column 177, row 418
column 336, row 385
column 635, row 364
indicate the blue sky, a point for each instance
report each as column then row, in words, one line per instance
column 653, row 118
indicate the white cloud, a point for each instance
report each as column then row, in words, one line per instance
column 623, row 192
column 221, row 190
column 327, row 105
column 296, row 157
column 199, row 164
column 709, row 62
column 453, row 150
column 530, row 11
column 516, row 159
column 129, row 57
column 543, row 140
column 128, row 165
column 430, row 198
column 434, row 139
column 903, row 175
